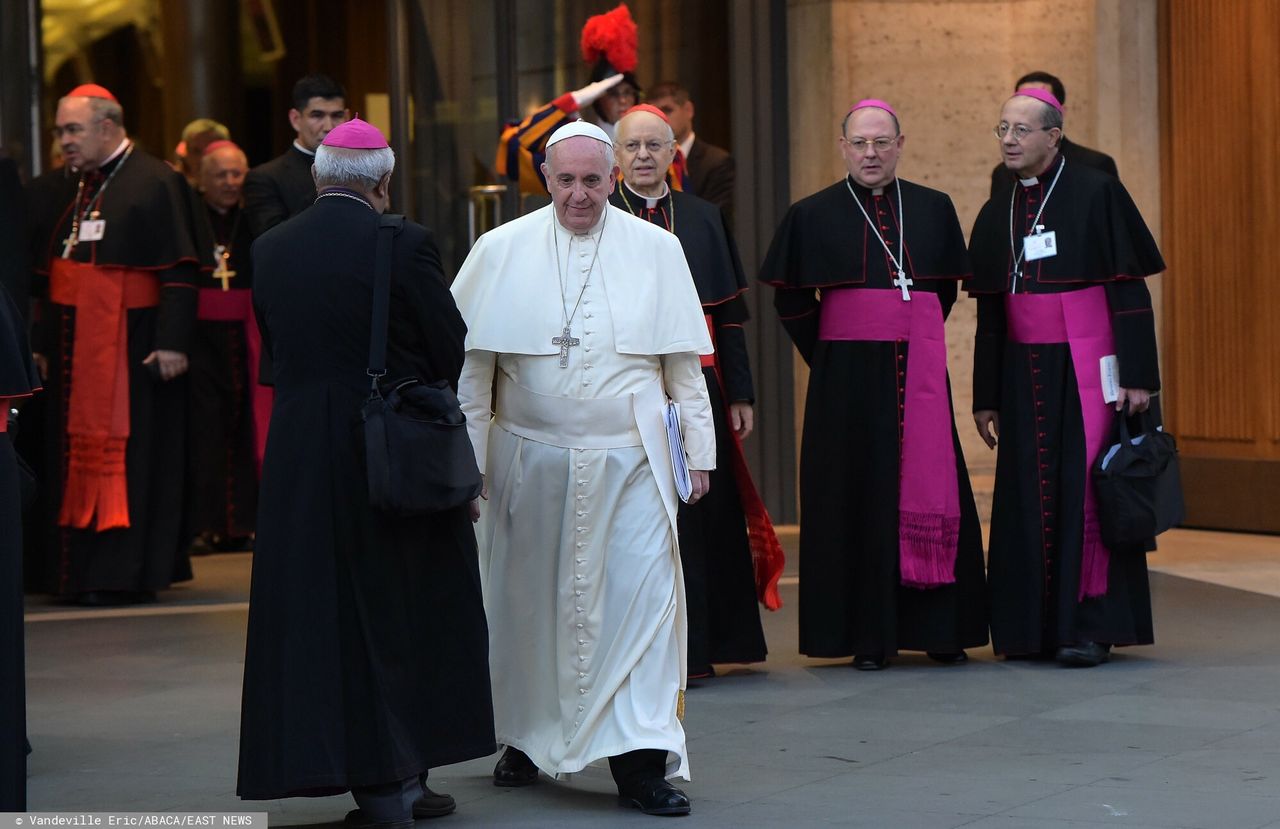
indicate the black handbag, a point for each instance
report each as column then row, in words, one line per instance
column 1138, row 484
column 418, row 455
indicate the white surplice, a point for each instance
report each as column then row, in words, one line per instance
column 578, row 550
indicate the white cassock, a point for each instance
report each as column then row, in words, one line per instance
column 578, row 552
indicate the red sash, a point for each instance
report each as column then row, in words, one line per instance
column 98, row 411
column 928, row 489
column 236, row 305
column 767, row 556
column 1082, row 319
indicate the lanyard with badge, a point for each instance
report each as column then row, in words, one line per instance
column 1037, row 244
column 85, row 225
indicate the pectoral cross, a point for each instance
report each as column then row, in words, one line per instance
column 565, row 342
column 70, row 243
column 903, row 281
column 222, row 256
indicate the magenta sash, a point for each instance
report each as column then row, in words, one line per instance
column 928, row 492
column 236, row 305
column 1082, row 319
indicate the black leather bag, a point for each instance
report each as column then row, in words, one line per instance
column 418, row 456
column 1138, row 484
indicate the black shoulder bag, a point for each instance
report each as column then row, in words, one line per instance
column 1138, row 484
column 417, row 452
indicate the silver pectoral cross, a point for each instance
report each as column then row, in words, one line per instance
column 565, row 342
column 903, row 282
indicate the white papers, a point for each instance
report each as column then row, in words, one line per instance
column 679, row 463
column 1109, row 368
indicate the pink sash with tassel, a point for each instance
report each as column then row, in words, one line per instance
column 928, row 492
column 1082, row 320
column 236, row 305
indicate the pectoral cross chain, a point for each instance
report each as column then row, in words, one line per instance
column 565, row 342
column 903, row 281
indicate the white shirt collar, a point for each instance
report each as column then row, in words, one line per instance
column 124, row 143
column 650, row 202
column 298, row 146
column 687, row 144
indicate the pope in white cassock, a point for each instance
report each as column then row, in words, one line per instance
column 581, row 321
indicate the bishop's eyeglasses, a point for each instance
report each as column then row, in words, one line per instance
column 654, row 146
column 1019, row 131
column 859, row 145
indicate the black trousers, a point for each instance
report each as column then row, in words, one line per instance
column 636, row 766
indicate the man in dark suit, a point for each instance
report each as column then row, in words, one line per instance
column 282, row 188
column 1002, row 181
column 710, row 168
column 367, row 661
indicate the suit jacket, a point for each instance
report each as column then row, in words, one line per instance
column 1002, row 179
column 711, row 175
column 278, row 190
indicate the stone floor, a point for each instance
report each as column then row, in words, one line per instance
column 138, row 710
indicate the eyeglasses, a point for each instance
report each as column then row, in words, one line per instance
column 654, row 147
column 1020, row 131
column 859, row 145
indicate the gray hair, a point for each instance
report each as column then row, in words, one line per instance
column 354, row 169
column 103, row 109
column 1050, row 117
column 608, row 152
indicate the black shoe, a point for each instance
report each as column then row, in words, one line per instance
column 1084, row 654
column 142, row 597
column 430, row 804
column 949, row 657
column 870, row 662
column 514, row 769
column 656, row 796
column 355, row 819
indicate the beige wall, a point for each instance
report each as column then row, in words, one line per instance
column 947, row 67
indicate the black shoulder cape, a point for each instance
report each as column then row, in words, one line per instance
column 1100, row 235
column 824, row 240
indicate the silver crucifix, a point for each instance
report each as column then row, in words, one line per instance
column 903, row 281
column 565, row 342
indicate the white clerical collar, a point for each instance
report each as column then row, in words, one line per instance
column 297, row 146
column 687, row 144
column 124, row 143
column 1029, row 182
column 650, row 202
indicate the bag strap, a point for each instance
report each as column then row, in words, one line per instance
column 388, row 227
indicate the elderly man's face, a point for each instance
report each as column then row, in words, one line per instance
column 645, row 150
column 1030, row 155
column 313, row 123
column 871, row 166
column 85, row 142
column 580, row 180
column 222, row 175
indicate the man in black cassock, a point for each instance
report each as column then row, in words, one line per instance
column 1058, row 271
column 229, row 411
column 367, row 658
column 282, row 188
column 890, row 547
column 720, row 577
column 115, row 270
column 18, row 380
column 1002, row 180
column 709, row 169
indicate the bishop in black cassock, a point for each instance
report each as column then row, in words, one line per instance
column 835, row 264
column 115, row 270
column 728, row 549
column 229, row 411
column 18, row 380
column 1054, row 587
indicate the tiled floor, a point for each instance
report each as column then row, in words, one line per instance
column 139, row 711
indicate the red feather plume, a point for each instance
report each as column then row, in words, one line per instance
column 612, row 36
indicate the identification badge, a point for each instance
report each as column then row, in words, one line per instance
column 1110, row 370
column 1040, row 245
column 92, row 230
